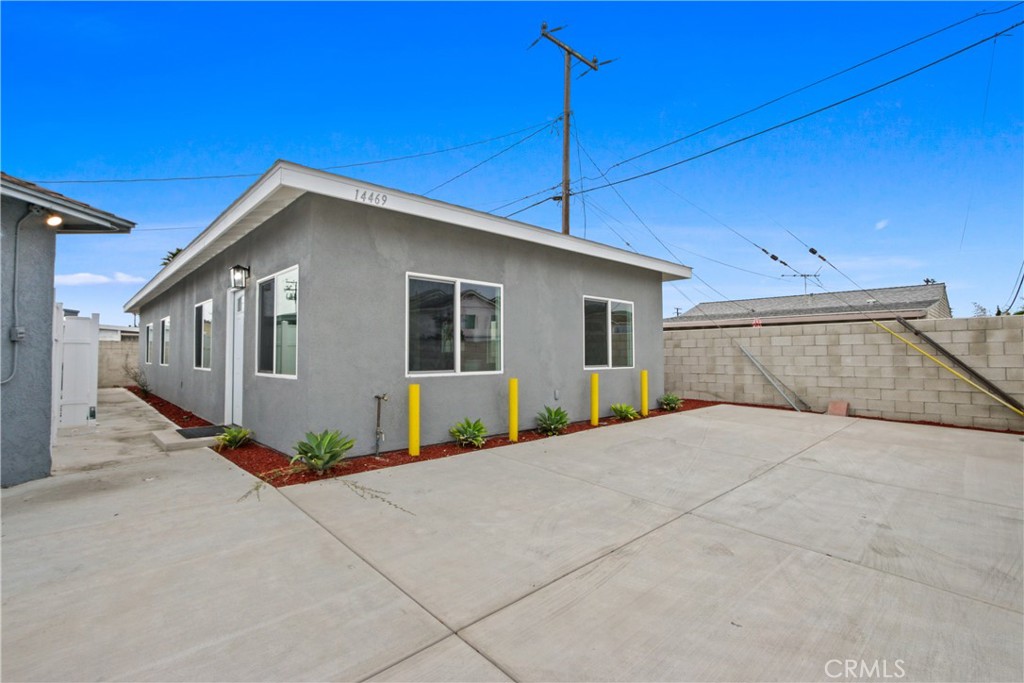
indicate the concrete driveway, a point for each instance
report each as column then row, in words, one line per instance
column 728, row 543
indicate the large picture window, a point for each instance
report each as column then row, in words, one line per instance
column 277, row 336
column 149, row 344
column 203, row 335
column 454, row 326
column 165, row 341
column 607, row 333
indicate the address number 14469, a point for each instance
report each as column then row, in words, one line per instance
column 367, row 197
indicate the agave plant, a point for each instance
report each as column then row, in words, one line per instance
column 552, row 421
column 670, row 402
column 320, row 452
column 624, row 411
column 469, row 433
column 232, row 437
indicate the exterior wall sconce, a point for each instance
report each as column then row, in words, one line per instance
column 239, row 277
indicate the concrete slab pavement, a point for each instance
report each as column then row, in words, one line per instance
column 121, row 434
column 481, row 530
column 951, row 543
column 165, row 569
column 722, row 544
column 450, row 660
column 699, row 601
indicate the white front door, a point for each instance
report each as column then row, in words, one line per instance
column 236, row 356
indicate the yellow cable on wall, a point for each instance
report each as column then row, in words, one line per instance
column 951, row 370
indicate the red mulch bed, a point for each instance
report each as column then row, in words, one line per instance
column 180, row 417
column 272, row 466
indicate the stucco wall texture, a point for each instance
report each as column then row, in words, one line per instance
column 877, row 373
column 25, row 401
column 353, row 261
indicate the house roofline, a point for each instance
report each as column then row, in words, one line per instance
column 285, row 182
column 97, row 220
column 769, row 321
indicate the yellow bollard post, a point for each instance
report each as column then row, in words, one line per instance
column 595, row 399
column 513, row 409
column 414, row 419
column 643, row 394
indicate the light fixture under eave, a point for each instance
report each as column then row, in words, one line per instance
column 239, row 277
column 54, row 220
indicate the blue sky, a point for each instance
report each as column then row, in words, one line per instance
column 921, row 179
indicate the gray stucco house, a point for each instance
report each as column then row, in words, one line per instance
column 31, row 218
column 345, row 290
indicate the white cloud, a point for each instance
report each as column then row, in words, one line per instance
column 882, row 224
column 76, row 279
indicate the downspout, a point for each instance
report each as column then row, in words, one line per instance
column 14, row 335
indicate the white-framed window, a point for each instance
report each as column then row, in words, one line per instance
column 607, row 333
column 149, row 344
column 439, row 308
column 165, row 341
column 277, row 332
column 203, row 335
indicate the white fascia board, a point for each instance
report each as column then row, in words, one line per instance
column 339, row 187
column 288, row 181
column 202, row 248
column 104, row 221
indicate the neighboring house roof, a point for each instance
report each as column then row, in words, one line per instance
column 285, row 182
column 79, row 217
column 914, row 301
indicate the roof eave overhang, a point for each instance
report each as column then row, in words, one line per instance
column 285, row 182
column 78, row 219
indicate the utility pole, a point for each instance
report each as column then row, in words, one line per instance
column 590, row 64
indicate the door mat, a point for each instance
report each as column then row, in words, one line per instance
column 201, row 432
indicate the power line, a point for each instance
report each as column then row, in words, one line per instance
column 1020, row 276
column 389, row 160
column 490, row 158
column 811, row 85
column 984, row 116
column 777, row 126
column 529, row 196
column 654, row 234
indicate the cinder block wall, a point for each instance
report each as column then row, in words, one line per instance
column 113, row 355
column 857, row 362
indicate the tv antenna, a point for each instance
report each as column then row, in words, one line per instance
column 805, row 276
column 592, row 65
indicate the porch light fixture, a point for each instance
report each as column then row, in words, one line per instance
column 52, row 219
column 239, row 277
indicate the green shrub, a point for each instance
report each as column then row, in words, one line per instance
column 670, row 402
column 552, row 421
column 624, row 411
column 232, row 437
column 322, row 451
column 469, row 433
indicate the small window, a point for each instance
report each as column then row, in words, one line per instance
column 277, row 336
column 203, row 335
column 607, row 333
column 433, row 306
column 165, row 341
column 149, row 344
